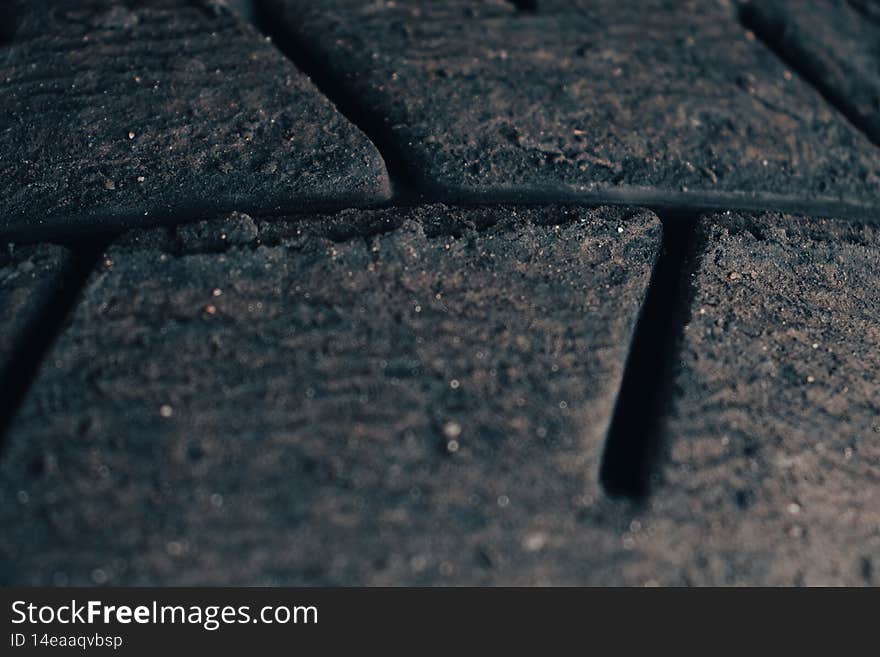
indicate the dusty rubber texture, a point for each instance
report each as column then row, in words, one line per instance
column 834, row 44
column 386, row 397
column 616, row 98
column 29, row 278
column 774, row 453
column 130, row 113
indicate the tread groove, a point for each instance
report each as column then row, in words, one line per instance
column 636, row 434
column 43, row 330
column 403, row 180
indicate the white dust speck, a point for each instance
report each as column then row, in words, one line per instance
column 534, row 542
column 452, row 430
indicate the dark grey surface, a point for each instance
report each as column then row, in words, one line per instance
column 120, row 114
column 406, row 396
column 655, row 101
column 421, row 396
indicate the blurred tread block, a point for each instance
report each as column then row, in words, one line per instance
column 834, row 42
column 30, row 276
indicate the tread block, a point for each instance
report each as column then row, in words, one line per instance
column 771, row 477
column 296, row 402
column 627, row 99
column 119, row 114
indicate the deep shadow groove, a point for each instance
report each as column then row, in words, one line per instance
column 771, row 33
column 41, row 333
column 530, row 6
column 403, row 181
column 636, row 435
column 8, row 21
